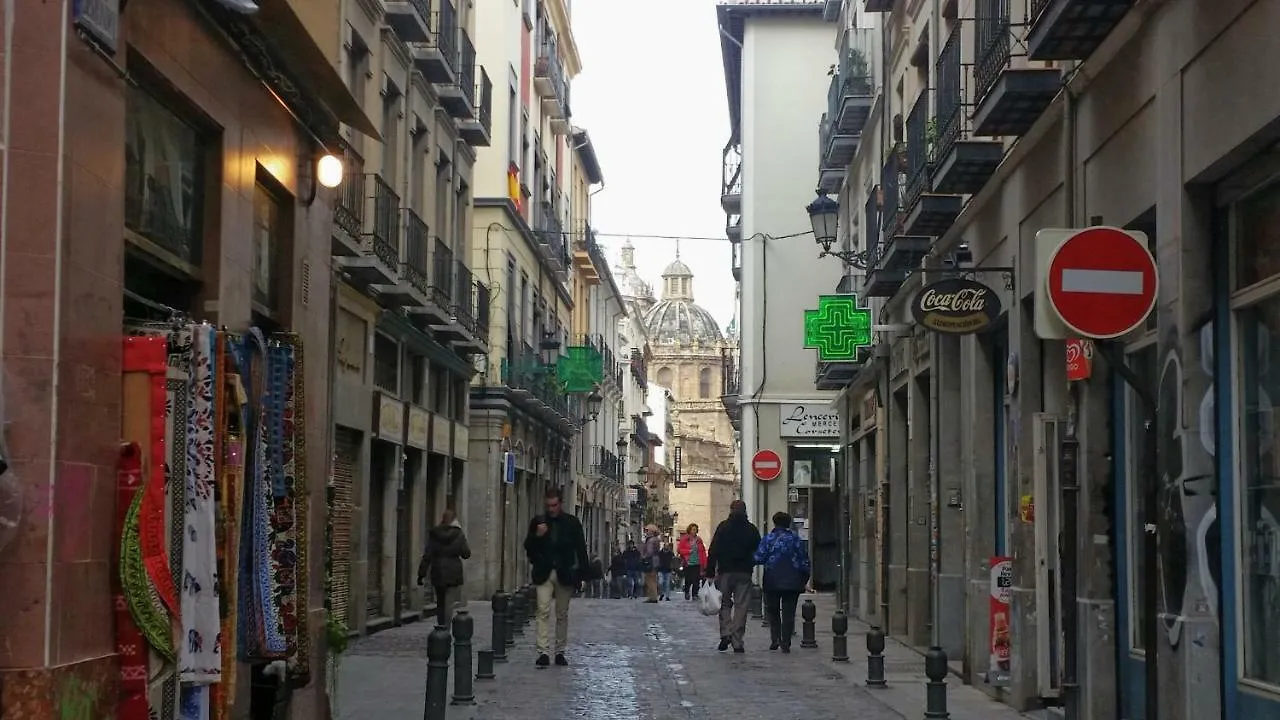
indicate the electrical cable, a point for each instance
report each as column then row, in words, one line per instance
column 644, row 236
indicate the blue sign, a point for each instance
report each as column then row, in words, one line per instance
column 509, row 468
column 99, row 20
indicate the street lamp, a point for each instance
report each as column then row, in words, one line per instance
column 594, row 400
column 824, row 216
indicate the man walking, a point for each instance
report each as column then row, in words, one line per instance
column 557, row 550
column 649, row 562
column 730, row 562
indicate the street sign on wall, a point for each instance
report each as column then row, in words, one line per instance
column 812, row 420
column 766, row 465
column 1097, row 283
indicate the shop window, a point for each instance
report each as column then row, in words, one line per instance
column 1256, row 222
column 1143, row 361
column 386, row 363
column 704, row 383
column 165, row 184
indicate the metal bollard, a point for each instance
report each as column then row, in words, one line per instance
column 875, row 657
column 935, row 689
column 755, row 601
column 437, row 674
column 498, row 635
column 463, row 684
column 808, row 629
column 484, row 665
column 840, row 640
column 516, row 626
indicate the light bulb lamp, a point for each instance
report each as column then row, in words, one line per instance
column 824, row 216
column 329, row 170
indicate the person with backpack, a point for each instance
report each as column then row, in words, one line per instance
column 786, row 575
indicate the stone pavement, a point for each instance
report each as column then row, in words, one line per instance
column 636, row 661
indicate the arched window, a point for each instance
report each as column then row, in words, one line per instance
column 704, row 383
column 664, row 377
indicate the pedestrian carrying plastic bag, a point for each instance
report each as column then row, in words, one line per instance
column 709, row 600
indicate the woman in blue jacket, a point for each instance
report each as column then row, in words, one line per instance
column 786, row 573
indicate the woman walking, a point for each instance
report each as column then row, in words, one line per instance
column 693, row 558
column 786, row 573
column 446, row 549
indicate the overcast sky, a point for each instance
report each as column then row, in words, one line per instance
column 652, row 95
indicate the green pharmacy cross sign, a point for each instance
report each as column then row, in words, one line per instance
column 838, row 329
column 580, row 369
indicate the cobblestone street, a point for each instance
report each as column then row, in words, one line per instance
column 650, row 662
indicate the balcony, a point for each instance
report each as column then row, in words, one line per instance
column 1010, row 99
column 534, row 384
column 894, row 255
column 550, row 237
column 348, row 208
column 410, row 20
column 377, row 263
column 477, row 129
column 835, row 375
column 606, row 464
column 731, row 179
column 639, row 369
column 731, row 388
column 442, row 288
column 1071, row 29
column 927, row 213
column 611, row 367
column 851, row 94
column 962, row 165
column 735, row 261
column 733, row 228
column 458, row 98
column 835, row 152
column 552, row 86
column 465, row 309
column 413, row 290
column 437, row 57
column 587, row 257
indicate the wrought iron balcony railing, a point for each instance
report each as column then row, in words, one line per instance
column 464, row 305
column 550, row 67
column 949, row 116
column 730, row 379
column 890, row 183
column 467, row 68
column 348, row 212
column 551, row 232
column 991, row 44
column 442, row 274
column 731, row 171
column 871, row 228
column 527, row 372
column 639, row 369
column 482, row 310
column 919, row 147
column 417, row 267
column 384, row 228
column 484, row 109
column 607, row 463
column 446, row 33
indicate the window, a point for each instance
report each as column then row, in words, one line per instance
column 439, row 389
column 390, row 131
column 460, row 397
column 513, row 118
column 461, row 201
column 164, row 177
column 664, row 377
column 444, row 173
column 1143, row 361
column 267, row 237
column 1256, row 221
column 704, row 383
column 386, row 363
column 357, row 66
column 524, row 307
column 417, row 382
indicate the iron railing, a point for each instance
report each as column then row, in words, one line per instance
column 591, row 243
column 526, row 371
column 446, row 35
column 918, row 159
column 991, row 43
column 607, row 463
column 871, row 241
column 423, row 8
column 948, row 118
column 441, row 274
column 348, row 213
column 730, row 380
column 484, row 110
column 482, row 310
column 467, row 71
column 416, row 250
column 551, row 231
column 639, row 369
column 731, row 171
column 1034, row 8
column 890, row 208
column 610, row 364
column 550, row 67
column 464, row 307
column 384, row 229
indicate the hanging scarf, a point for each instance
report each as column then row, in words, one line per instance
column 254, row 557
column 296, row 414
column 165, row 697
column 131, row 703
column 279, row 603
column 201, row 625
column 231, row 478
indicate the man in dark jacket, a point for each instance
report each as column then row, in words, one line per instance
column 557, row 550
column 730, row 562
column 446, row 549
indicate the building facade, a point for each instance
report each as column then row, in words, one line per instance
column 985, row 123
column 163, row 196
column 769, row 46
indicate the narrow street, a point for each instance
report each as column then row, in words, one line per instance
column 633, row 660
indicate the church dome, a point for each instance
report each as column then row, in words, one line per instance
column 676, row 318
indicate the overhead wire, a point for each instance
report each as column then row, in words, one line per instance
column 650, row 236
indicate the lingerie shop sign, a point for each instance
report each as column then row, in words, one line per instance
column 956, row 306
column 816, row 420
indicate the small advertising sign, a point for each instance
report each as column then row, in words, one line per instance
column 956, row 306
column 678, row 480
column 1079, row 359
column 1001, row 670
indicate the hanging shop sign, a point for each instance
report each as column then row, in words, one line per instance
column 956, row 306
column 419, row 428
column 1001, row 672
column 817, row 420
column 1079, row 359
column 389, row 421
column 838, row 328
column 677, row 479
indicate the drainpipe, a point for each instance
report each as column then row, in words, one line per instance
column 935, row 491
column 1069, row 459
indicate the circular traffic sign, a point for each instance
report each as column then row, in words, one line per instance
column 1102, row 282
column 766, row 465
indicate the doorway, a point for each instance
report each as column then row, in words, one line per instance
column 813, row 504
column 381, row 461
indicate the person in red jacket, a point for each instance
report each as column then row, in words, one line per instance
column 693, row 558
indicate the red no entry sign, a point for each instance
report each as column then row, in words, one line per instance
column 766, row 465
column 1102, row 282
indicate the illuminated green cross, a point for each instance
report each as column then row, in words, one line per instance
column 580, row 368
column 838, row 328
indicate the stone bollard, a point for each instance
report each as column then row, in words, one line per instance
column 840, row 640
column 808, row 628
column 484, row 665
column 437, row 674
column 463, row 686
column 516, row 626
column 935, row 689
column 498, row 635
column 875, row 657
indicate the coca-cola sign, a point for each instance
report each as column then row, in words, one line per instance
column 956, row 306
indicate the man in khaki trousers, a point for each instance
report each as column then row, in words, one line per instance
column 557, row 549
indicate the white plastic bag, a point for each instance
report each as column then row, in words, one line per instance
column 709, row 599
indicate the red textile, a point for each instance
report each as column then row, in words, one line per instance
column 130, row 645
column 685, row 546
